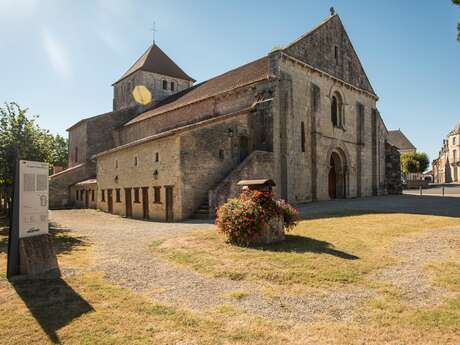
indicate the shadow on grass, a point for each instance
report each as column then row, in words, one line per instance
column 52, row 302
column 63, row 243
column 300, row 244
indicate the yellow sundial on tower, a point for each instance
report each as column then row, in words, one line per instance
column 142, row 95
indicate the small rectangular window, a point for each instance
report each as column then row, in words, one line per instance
column 336, row 54
column 165, row 85
column 116, row 163
column 92, row 194
column 76, row 155
column 136, row 195
column 157, row 195
column 221, row 154
column 302, row 136
column 117, row 195
column 360, row 123
column 76, row 195
column 136, row 161
column 103, row 195
column 172, row 86
column 157, row 156
column 315, row 98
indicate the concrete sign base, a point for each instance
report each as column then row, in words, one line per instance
column 37, row 256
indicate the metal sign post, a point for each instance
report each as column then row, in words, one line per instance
column 13, row 238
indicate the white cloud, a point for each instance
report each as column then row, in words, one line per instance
column 110, row 40
column 57, row 55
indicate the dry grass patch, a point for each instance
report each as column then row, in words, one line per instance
column 86, row 309
column 318, row 253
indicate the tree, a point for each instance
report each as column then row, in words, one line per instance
column 412, row 162
column 61, row 151
column 457, row 2
column 22, row 138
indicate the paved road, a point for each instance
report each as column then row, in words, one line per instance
column 450, row 190
column 426, row 204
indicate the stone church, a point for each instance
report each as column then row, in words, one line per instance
column 304, row 115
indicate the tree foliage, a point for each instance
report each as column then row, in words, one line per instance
column 22, row 138
column 412, row 162
column 457, row 2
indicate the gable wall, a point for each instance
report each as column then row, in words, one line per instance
column 317, row 50
column 294, row 105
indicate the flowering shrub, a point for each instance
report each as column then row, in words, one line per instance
column 242, row 219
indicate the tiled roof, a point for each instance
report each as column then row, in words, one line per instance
column 241, row 76
column 86, row 182
column 156, row 61
column 398, row 139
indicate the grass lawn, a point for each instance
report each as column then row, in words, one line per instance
column 318, row 253
column 85, row 308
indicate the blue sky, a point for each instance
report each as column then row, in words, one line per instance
column 60, row 57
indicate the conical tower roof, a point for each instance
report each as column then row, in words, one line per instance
column 156, row 61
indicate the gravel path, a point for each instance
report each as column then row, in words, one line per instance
column 410, row 275
column 121, row 252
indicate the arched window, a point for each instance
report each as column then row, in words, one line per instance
column 337, row 110
column 334, row 111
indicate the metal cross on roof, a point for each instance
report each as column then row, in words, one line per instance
column 154, row 30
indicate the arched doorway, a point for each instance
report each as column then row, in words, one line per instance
column 336, row 177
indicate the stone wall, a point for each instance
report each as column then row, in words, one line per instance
column 81, row 191
column 207, row 155
column 118, row 170
column 94, row 135
column 78, row 144
column 122, row 90
column 329, row 49
column 306, row 170
column 392, row 170
column 258, row 165
column 59, row 184
column 198, row 111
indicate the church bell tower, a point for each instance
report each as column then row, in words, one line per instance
column 152, row 78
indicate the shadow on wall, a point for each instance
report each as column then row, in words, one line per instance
column 301, row 244
column 410, row 204
column 52, row 303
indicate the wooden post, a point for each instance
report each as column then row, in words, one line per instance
column 421, row 193
column 442, row 190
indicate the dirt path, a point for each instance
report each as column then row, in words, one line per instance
column 122, row 253
column 415, row 252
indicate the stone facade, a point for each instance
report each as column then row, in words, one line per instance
column 303, row 170
column 304, row 116
column 84, row 194
column 86, row 138
column 158, row 85
column 393, row 170
column 446, row 168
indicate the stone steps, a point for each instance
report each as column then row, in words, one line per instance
column 203, row 211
